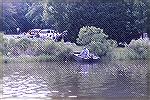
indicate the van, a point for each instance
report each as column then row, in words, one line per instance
column 47, row 33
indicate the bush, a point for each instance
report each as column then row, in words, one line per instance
column 44, row 50
column 96, row 40
column 54, row 50
column 1, row 57
column 46, row 58
column 3, row 44
column 138, row 49
column 23, row 44
column 63, row 52
column 120, row 54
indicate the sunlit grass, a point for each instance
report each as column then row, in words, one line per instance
column 74, row 47
column 1, row 58
column 127, row 54
column 120, row 54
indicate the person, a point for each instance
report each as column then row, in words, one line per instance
column 85, row 53
column 18, row 30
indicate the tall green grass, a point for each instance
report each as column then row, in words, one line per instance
column 120, row 54
column 1, row 58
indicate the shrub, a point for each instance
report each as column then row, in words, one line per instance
column 3, row 45
column 55, row 50
column 44, row 50
column 1, row 58
column 120, row 54
column 46, row 58
column 23, row 44
column 63, row 52
column 96, row 40
column 138, row 49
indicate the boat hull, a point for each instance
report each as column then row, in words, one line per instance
column 86, row 60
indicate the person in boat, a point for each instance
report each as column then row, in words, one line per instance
column 85, row 53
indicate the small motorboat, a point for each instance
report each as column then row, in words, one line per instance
column 91, row 59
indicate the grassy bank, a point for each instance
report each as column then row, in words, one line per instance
column 120, row 54
column 1, row 58
column 127, row 54
column 46, row 58
column 26, row 59
column 116, row 54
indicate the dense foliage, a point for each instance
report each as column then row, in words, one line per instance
column 122, row 20
column 96, row 40
column 139, row 49
column 46, row 50
column 3, row 44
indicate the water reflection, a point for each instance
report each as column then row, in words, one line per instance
column 16, row 85
column 74, row 80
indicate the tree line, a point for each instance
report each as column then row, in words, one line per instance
column 121, row 20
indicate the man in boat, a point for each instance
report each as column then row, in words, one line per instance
column 85, row 53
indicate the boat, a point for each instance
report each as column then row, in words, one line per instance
column 91, row 59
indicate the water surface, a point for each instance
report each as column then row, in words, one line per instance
column 117, row 79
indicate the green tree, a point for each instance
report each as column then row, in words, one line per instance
column 96, row 40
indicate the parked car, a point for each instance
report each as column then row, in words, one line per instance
column 47, row 33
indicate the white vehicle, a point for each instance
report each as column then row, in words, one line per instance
column 47, row 33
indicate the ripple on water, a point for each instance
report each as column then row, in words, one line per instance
column 22, row 87
column 14, row 76
column 44, row 92
column 16, row 73
column 31, row 85
column 33, row 95
column 29, row 91
column 23, row 77
column 6, row 78
column 21, row 80
column 6, row 88
column 9, row 92
column 27, row 82
column 94, row 81
column 54, row 91
column 6, row 95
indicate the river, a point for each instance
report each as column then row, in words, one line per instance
column 68, row 80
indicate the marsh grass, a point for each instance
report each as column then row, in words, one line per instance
column 1, row 58
column 26, row 59
column 128, row 54
column 120, row 54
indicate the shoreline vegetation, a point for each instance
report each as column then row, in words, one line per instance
column 116, row 54
column 36, row 50
column 46, row 58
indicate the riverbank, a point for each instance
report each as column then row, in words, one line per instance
column 47, row 58
column 26, row 58
column 116, row 54
column 66, row 55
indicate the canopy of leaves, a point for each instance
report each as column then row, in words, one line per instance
column 95, row 39
column 122, row 20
